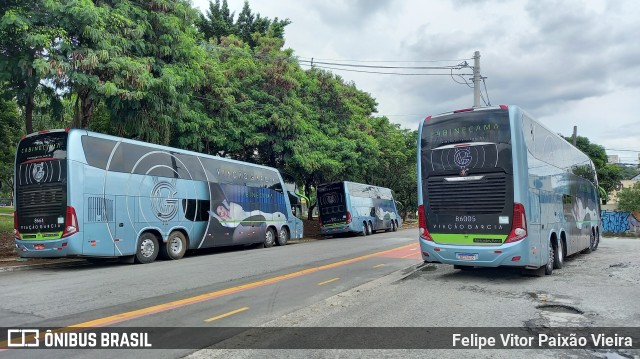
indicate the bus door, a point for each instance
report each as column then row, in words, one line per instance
column 126, row 236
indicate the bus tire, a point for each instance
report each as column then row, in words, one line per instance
column 597, row 239
column 147, row 249
column 176, row 246
column 369, row 228
column 269, row 238
column 558, row 256
column 593, row 241
column 548, row 268
column 364, row 229
column 283, row 236
column 393, row 226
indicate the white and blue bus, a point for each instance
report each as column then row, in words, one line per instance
column 86, row 194
column 348, row 207
column 497, row 188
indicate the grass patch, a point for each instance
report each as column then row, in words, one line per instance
column 6, row 210
column 6, row 224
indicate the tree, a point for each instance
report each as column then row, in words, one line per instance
column 629, row 198
column 609, row 175
column 218, row 23
column 628, row 172
column 10, row 132
column 27, row 40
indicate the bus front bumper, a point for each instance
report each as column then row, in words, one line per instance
column 510, row 254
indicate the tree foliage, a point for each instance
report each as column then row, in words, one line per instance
column 628, row 172
column 10, row 133
column 609, row 175
column 218, row 23
column 629, row 198
column 215, row 83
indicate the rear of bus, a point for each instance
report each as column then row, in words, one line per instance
column 43, row 219
column 334, row 216
column 467, row 213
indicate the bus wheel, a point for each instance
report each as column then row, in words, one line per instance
column 597, row 240
column 369, row 228
column 593, row 242
column 393, row 226
column 558, row 258
column 283, row 236
column 269, row 238
column 364, row 229
column 176, row 246
column 147, row 250
column 548, row 268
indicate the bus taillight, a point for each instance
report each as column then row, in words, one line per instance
column 16, row 232
column 348, row 217
column 422, row 224
column 71, row 223
column 519, row 227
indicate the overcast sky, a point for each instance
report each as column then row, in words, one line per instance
column 567, row 63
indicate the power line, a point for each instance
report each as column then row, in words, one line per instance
column 388, row 61
column 611, row 149
column 378, row 72
column 456, row 67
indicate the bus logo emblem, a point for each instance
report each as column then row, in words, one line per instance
column 330, row 198
column 462, row 157
column 163, row 201
column 38, row 172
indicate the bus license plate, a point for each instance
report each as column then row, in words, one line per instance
column 38, row 246
column 467, row 256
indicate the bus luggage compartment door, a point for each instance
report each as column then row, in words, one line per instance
column 99, row 226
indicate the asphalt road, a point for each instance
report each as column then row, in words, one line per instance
column 233, row 288
column 371, row 282
column 600, row 289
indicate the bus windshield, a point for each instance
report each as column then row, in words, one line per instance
column 467, row 141
column 332, row 203
column 41, row 178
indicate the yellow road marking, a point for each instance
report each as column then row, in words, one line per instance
column 328, row 281
column 378, row 265
column 227, row 314
column 121, row 317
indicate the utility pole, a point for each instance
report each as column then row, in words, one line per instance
column 575, row 135
column 476, row 79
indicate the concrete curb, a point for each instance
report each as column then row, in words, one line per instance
column 27, row 266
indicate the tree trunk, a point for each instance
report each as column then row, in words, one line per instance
column 28, row 114
column 307, row 192
column 84, row 109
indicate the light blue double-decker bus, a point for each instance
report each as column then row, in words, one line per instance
column 497, row 188
column 80, row 193
column 349, row 207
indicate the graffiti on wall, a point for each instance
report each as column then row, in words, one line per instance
column 617, row 222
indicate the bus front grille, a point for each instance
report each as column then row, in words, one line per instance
column 41, row 200
column 485, row 196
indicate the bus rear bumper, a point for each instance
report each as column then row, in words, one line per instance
column 511, row 254
column 328, row 231
column 52, row 248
